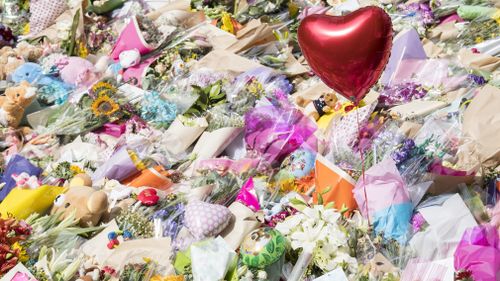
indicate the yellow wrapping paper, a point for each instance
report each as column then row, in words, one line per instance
column 23, row 202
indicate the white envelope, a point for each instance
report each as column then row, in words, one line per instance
column 447, row 223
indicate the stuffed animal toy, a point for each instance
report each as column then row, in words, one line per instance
column 28, row 52
column 32, row 73
column 51, row 90
column 12, row 58
column 321, row 106
column 88, row 204
column 127, row 59
column 9, row 61
column 76, row 71
column 13, row 104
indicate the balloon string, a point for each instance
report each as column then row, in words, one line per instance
column 363, row 169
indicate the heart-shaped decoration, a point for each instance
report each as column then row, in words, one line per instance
column 348, row 53
column 206, row 220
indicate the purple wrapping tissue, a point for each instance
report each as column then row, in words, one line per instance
column 406, row 46
column 16, row 165
column 118, row 167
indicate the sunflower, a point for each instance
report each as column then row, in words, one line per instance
column 103, row 88
column 104, row 105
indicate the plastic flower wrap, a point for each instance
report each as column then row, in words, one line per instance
column 225, row 187
column 479, row 253
column 208, row 97
column 274, row 132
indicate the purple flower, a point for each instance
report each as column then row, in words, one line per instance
column 417, row 221
column 421, row 10
column 401, row 93
column 404, row 152
column 476, row 79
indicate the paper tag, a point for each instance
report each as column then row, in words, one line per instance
column 337, row 275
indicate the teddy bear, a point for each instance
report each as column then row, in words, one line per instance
column 12, row 58
column 321, row 106
column 28, row 52
column 13, row 104
column 88, row 204
column 9, row 62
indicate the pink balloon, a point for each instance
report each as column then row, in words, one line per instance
column 348, row 53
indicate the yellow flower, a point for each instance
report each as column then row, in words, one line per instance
column 287, row 185
column 102, row 85
column 479, row 39
column 26, row 29
column 23, row 256
column 104, row 105
column 227, row 23
column 103, row 88
column 82, row 50
column 76, row 170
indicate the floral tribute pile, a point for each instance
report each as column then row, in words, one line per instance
column 191, row 140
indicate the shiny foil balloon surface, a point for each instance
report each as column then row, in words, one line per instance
column 348, row 53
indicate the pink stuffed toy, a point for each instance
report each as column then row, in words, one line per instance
column 77, row 71
column 26, row 181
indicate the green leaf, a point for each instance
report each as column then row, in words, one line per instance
column 329, row 205
column 328, row 188
column 296, row 201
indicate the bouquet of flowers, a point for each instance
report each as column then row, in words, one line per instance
column 325, row 237
column 12, row 234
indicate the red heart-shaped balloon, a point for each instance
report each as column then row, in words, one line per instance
column 348, row 53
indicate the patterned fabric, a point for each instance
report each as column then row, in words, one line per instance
column 346, row 130
column 44, row 13
column 206, row 220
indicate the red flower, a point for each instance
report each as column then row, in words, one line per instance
column 463, row 275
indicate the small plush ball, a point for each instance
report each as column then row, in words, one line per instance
column 127, row 235
column 112, row 235
column 262, row 247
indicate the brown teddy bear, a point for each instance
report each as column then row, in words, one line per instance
column 9, row 61
column 12, row 105
column 28, row 52
column 321, row 106
column 88, row 204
